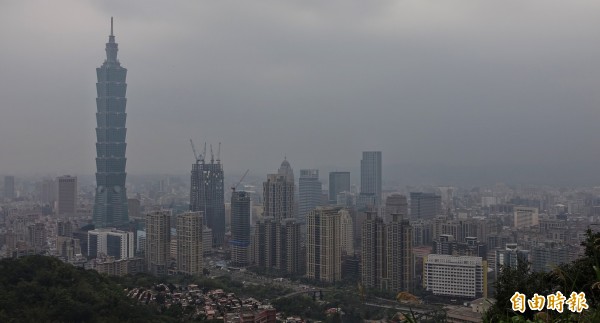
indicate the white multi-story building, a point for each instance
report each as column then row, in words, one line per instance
column 460, row 276
column 111, row 242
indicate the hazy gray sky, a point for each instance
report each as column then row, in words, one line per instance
column 450, row 83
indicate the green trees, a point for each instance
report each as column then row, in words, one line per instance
column 44, row 289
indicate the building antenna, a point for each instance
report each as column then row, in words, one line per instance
column 212, row 156
column 111, row 26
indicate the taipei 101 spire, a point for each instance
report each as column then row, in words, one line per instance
column 110, row 205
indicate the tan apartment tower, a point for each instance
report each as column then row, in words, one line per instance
column 373, row 267
column 158, row 239
column 399, row 256
column 189, row 243
column 323, row 244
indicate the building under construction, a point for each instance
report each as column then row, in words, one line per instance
column 207, row 194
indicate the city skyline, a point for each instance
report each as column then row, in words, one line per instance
column 414, row 105
column 454, row 214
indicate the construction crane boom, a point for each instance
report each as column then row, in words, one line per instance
column 240, row 181
column 219, row 154
column 194, row 150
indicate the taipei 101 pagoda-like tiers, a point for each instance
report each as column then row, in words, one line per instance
column 110, row 205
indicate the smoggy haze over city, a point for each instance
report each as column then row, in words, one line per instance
column 447, row 90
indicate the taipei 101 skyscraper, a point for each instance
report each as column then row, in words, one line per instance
column 110, row 205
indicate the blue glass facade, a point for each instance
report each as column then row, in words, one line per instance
column 110, row 206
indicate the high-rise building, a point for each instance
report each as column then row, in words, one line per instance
column 67, row 195
column 370, row 178
column 111, row 242
column 276, row 245
column 278, row 196
column 9, row 187
column 396, row 204
column 48, row 192
column 189, row 243
column 240, row 227
column 323, row 244
column 399, row 255
column 265, row 243
column 110, row 205
column 309, row 192
column 424, row 206
column 338, row 182
column 207, row 195
column 347, row 233
column 158, row 239
column 373, row 267
column 287, row 236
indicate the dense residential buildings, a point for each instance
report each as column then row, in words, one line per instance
column 110, row 205
column 370, row 178
column 338, row 182
column 240, row 228
column 309, row 192
column 424, row 206
column 323, row 244
column 457, row 276
column 67, row 195
column 189, row 243
column 158, row 239
column 207, row 195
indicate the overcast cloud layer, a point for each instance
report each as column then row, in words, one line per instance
column 483, row 84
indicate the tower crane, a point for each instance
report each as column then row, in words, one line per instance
column 238, row 183
column 219, row 154
column 194, row 150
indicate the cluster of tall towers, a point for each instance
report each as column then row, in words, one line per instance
column 300, row 231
